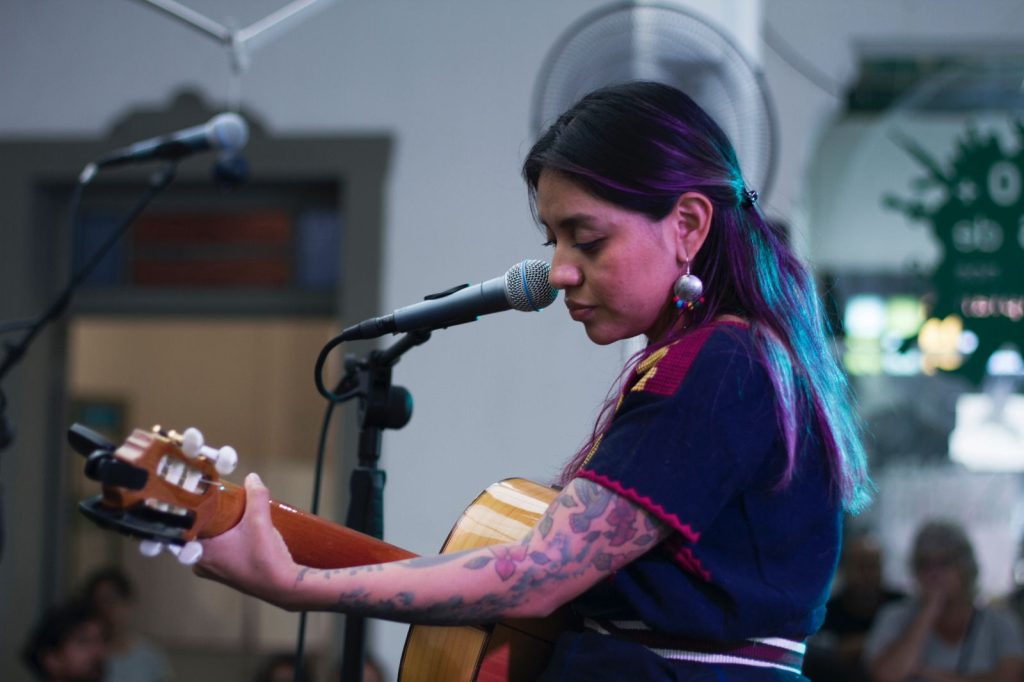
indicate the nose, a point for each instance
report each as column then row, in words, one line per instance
column 564, row 273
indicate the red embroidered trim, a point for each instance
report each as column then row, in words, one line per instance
column 685, row 557
column 647, row 503
column 668, row 373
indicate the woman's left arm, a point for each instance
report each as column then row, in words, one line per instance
column 586, row 534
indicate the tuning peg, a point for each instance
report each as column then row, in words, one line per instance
column 85, row 441
column 187, row 554
column 192, row 444
column 110, row 471
column 227, row 460
column 150, row 548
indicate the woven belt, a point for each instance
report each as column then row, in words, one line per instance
column 759, row 652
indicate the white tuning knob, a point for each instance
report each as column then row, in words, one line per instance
column 187, row 554
column 192, row 442
column 150, row 548
column 227, row 460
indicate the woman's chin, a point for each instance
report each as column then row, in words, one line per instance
column 603, row 336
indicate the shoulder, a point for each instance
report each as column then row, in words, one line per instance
column 708, row 351
column 1002, row 618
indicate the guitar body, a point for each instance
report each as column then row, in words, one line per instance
column 512, row 650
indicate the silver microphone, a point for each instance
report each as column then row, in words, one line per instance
column 524, row 287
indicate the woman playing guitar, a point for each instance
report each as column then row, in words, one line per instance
column 697, row 533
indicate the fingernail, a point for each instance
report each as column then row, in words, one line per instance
column 254, row 478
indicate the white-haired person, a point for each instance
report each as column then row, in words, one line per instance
column 943, row 633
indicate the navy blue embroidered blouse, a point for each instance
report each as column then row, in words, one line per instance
column 696, row 442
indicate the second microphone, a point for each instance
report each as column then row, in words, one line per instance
column 524, row 287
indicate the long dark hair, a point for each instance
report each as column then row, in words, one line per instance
column 641, row 145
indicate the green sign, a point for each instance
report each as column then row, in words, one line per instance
column 977, row 215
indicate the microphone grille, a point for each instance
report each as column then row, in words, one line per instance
column 527, row 287
column 228, row 132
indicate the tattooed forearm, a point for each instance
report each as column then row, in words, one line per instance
column 324, row 573
column 454, row 610
column 587, row 533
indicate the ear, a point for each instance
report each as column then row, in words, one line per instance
column 691, row 220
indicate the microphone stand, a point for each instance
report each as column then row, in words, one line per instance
column 13, row 352
column 381, row 406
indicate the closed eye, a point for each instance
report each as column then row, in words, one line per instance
column 588, row 246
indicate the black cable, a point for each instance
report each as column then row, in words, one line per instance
column 157, row 182
column 16, row 325
column 334, row 396
column 300, row 644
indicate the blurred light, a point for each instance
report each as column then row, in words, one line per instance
column 968, row 342
column 1005, row 362
column 988, row 436
column 939, row 341
column 865, row 317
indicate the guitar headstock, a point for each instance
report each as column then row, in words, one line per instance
column 160, row 486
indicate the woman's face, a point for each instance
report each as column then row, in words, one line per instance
column 616, row 267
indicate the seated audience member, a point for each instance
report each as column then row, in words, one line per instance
column 942, row 634
column 281, row 668
column 131, row 657
column 67, row 645
column 1015, row 599
column 834, row 655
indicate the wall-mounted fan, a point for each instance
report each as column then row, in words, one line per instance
column 671, row 45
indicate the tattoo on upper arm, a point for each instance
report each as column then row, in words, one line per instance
column 570, row 554
column 595, row 500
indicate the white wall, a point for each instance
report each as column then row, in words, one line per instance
column 451, row 80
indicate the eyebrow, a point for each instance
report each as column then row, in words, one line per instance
column 574, row 221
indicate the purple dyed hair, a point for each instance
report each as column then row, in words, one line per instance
column 640, row 146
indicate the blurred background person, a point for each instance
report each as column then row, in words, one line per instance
column 1014, row 601
column 835, row 654
column 942, row 634
column 280, row 667
column 130, row 656
column 67, row 645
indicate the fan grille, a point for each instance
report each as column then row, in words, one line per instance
column 667, row 44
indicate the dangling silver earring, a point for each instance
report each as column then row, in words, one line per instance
column 688, row 290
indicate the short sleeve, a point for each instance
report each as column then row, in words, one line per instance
column 696, row 426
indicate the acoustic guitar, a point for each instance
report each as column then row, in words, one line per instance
column 166, row 489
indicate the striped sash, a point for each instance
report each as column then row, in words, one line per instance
column 759, row 652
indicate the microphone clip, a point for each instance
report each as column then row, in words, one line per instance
column 446, row 292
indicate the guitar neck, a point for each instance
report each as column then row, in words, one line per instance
column 312, row 541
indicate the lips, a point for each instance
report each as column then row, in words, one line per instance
column 578, row 311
